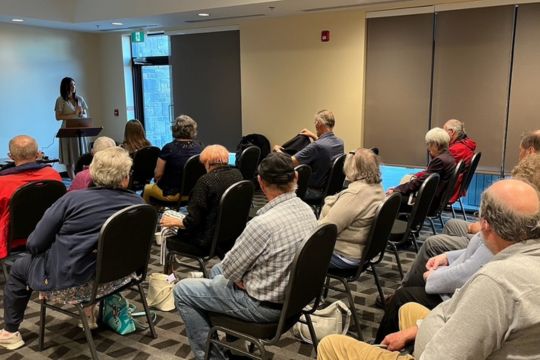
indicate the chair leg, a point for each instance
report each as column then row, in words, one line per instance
column 202, row 265
column 167, row 267
column 432, row 226
column 5, row 270
column 312, row 333
column 398, row 261
column 415, row 244
column 353, row 310
column 325, row 290
column 87, row 332
column 377, row 282
column 147, row 312
column 441, row 221
column 462, row 209
column 42, row 315
column 453, row 211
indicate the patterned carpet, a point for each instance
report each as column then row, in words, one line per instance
column 64, row 340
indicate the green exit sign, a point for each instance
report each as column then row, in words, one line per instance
column 137, row 36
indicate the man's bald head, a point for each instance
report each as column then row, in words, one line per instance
column 512, row 210
column 23, row 149
column 530, row 144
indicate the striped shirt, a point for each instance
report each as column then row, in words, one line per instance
column 263, row 253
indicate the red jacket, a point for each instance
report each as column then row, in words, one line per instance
column 461, row 149
column 12, row 179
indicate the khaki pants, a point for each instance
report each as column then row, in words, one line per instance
column 341, row 347
column 153, row 191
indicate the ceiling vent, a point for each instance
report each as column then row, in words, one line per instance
column 223, row 18
column 124, row 28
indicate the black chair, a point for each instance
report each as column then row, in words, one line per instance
column 123, row 248
column 306, row 280
column 336, row 178
column 232, row 217
column 193, row 170
column 304, row 173
column 466, row 182
column 249, row 159
column 407, row 227
column 82, row 161
column 372, row 255
column 437, row 209
column 26, row 208
column 144, row 164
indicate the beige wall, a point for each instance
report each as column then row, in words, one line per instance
column 288, row 74
column 34, row 61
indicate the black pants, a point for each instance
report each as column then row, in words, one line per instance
column 390, row 320
column 17, row 293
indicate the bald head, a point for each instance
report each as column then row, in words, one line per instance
column 23, row 149
column 530, row 144
column 511, row 209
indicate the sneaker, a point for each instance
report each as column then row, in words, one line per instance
column 11, row 341
column 195, row 274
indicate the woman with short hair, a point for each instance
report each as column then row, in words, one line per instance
column 198, row 226
column 353, row 209
column 171, row 161
column 134, row 137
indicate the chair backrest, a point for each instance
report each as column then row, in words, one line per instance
column 28, row 204
column 308, row 272
column 82, row 161
column 375, row 150
column 124, row 244
column 232, row 217
column 421, row 206
column 470, row 173
column 144, row 164
column 304, row 173
column 380, row 229
column 336, row 176
column 437, row 209
column 249, row 159
column 193, row 170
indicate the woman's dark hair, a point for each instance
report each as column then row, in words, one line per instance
column 134, row 136
column 65, row 85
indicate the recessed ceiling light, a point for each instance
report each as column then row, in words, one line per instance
column 117, row 23
column 203, row 14
column 17, row 20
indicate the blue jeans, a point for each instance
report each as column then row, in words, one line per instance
column 194, row 297
column 337, row 263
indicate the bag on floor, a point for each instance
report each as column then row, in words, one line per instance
column 326, row 321
column 160, row 292
column 117, row 314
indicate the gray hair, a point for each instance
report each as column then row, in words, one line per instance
column 438, row 137
column 110, row 167
column 326, row 118
column 23, row 147
column 531, row 140
column 456, row 125
column 508, row 224
column 528, row 169
column 102, row 143
column 362, row 164
column 184, row 127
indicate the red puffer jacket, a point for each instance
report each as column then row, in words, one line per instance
column 461, row 149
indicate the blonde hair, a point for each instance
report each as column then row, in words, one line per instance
column 362, row 164
column 215, row 155
column 529, row 169
column 134, row 136
column 110, row 167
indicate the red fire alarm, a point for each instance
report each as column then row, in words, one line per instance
column 325, row 35
column 116, row 112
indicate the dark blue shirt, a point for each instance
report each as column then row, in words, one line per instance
column 175, row 153
column 319, row 155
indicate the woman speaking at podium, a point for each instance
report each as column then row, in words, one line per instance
column 70, row 106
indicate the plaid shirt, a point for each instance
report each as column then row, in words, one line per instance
column 263, row 253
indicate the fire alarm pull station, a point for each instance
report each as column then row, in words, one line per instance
column 325, row 35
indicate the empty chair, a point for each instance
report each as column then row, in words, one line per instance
column 248, row 161
column 128, row 231
column 26, row 208
column 336, row 178
column 306, row 280
column 304, row 173
column 144, row 163
column 373, row 254
column 407, row 227
column 193, row 170
column 232, row 218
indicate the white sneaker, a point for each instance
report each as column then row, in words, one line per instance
column 195, row 274
column 11, row 341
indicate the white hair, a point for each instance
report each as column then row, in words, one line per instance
column 110, row 167
column 438, row 137
column 102, row 143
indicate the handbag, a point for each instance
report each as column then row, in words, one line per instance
column 160, row 292
column 120, row 315
column 325, row 321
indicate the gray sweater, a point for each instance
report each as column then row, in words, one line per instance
column 495, row 315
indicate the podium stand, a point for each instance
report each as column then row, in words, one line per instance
column 79, row 133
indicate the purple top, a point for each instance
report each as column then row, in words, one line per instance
column 81, row 181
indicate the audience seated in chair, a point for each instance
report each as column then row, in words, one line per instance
column 199, row 225
column 353, row 209
column 250, row 282
column 62, row 247
column 82, row 179
column 320, row 154
column 170, row 164
column 442, row 163
column 134, row 137
column 23, row 150
column 494, row 315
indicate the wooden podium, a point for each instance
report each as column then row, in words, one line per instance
column 78, row 128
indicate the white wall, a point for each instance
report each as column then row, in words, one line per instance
column 34, row 61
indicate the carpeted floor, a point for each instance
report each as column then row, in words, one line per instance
column 64, row 340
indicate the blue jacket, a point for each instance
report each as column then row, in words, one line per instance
column 64, row 242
